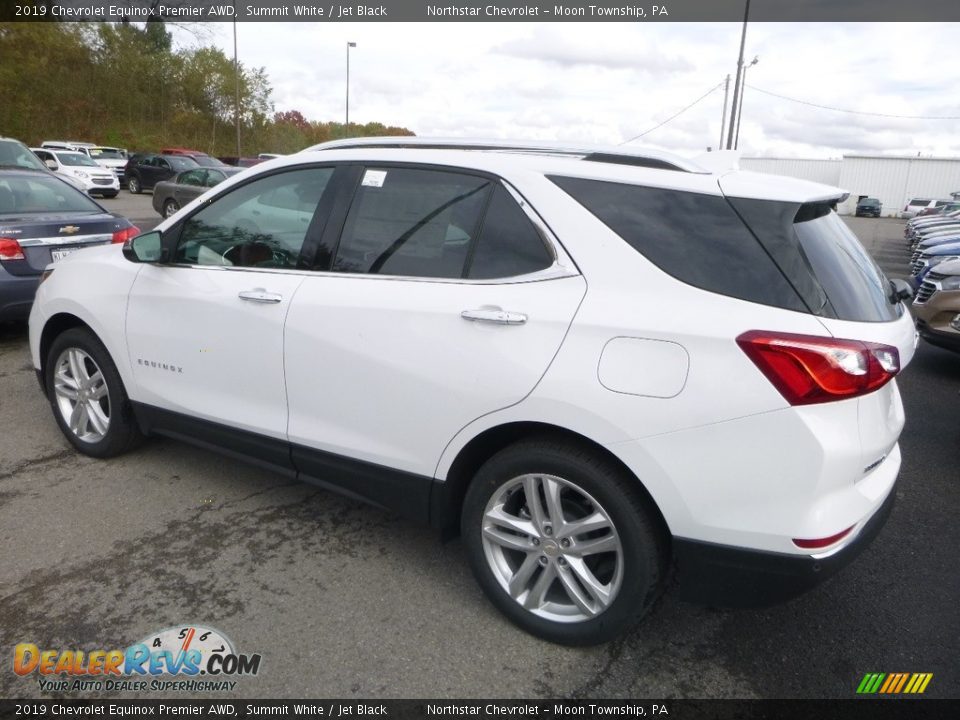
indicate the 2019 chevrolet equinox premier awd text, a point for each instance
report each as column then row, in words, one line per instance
column 597, row 365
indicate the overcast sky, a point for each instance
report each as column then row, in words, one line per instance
column 605, row 83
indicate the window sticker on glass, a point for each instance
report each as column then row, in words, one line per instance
column 374, row 178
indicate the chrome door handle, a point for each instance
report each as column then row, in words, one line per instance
column 259, row 295
column 497, row 317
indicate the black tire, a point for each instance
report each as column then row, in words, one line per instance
column 170, row 207
column 133, row 185
column 122, row 433
column 642, row 537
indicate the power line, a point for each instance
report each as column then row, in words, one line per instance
column 675, row 115
column 856, row 112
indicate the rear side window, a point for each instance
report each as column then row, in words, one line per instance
column 696, row 238
column 412, row 222
column 919, row 202
column 508, row 245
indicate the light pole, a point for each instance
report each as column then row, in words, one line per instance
column 723, row 117
column 736, row 84
column 346, row 124
column 236, row 75
column 736, row 139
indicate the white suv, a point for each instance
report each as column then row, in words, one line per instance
column 600, row 366
column 96, row 179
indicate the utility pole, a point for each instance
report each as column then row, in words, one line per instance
column 736, row 84
column 236, row 75
column 743, row 91
column 346, row 124
column 723, row 117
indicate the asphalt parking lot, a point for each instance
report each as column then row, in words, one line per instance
column 343, row 600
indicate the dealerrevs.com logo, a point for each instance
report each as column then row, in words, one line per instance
column 189, row 659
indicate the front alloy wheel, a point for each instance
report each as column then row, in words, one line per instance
column 81, row 395
column 87, row 395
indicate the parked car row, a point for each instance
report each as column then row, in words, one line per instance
column 924, row 206
column 935, row 266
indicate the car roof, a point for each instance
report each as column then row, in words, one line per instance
column 639, row 166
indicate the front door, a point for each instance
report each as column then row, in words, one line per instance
column 205, row 332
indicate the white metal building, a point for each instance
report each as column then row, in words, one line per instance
column 894, row 180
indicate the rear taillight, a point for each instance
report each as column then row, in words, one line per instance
column 818, row 543
column 10, row 249
column 121, row 236
column 808, row 369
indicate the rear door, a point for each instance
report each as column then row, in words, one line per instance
column 444, row 299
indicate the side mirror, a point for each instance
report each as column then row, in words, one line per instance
column 52, row 164
column 900, row 290
column 145, row 248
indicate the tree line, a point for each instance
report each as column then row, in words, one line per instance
column 125, row 85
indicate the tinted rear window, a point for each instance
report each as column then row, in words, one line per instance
column 823, row 259
column 919, row 202
column 696, row 238
column 793, row 256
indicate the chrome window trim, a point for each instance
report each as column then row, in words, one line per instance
column 553, row 272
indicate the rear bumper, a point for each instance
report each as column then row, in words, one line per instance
column 722, row 575
column 16, row 295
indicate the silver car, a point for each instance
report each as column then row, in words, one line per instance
column 171, row 195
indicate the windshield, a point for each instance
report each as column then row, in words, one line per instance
column 76, row 160
column 38, row 194
column 14, row 154
column 106, row 154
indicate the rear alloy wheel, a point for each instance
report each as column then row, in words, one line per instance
column 170, row 207
column 88, row 399
column 562, row 542
column 133, row 185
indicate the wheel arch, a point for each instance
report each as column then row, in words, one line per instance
column 56, row 325
column 446, row 497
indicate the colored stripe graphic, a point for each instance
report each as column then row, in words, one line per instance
column 894, row 683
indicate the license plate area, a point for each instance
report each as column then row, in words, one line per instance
column 57, row 254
